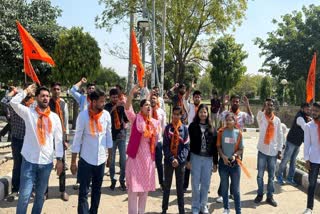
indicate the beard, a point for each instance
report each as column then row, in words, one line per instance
column 42, row 105
column 234, row 108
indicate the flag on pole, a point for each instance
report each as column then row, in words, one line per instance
column 311, row 81
column 32, row 50
column 136, row 59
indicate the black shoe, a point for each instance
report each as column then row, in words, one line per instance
column 185, row 190
column 271, row 201
column 258, row 199
column 113, row 185
column 123, row 186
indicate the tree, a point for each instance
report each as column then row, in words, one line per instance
column 39, row 18
column 186, row 21
column 107, row 77
column 227, row 63
column 300, row 91
column 289, row 49
column 205, row 85
column 77, row 55
column 249, row 85
column 265, row 88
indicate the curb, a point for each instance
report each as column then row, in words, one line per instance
column 301, row 178
column 5, row 186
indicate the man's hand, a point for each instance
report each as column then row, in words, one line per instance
column 188, row 165
column 74, row 168
column 307, row 165
column 108, row 162
column 279, row 156
column 175, row 163
column 245, row 101
column 176, row 85
column 65, row 145
column 215, row 168
column 59, row 167
column 31, row 89
column 83, row 80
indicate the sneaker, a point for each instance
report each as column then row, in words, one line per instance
column 204, row 210
column 271, row 201
column 64, row 196
column 219, row 199
column 76, row 186
column 12, row 197
column 226, row 211
column 123, row 186
column 113, row 185
column 258, row 199
column 308, row 211
column 291, row 182
column 280, row 180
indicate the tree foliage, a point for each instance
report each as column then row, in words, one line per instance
column 186, row 21
column 289, row 49
column 205, row 85
column 77, row 55
column 300, row 91
column 107, row 77
column 249, row 85
column 227, row 58
column 39, row 18
column 266, row 88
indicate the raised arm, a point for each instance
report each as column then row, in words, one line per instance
column 74, row 90
column 15, row 102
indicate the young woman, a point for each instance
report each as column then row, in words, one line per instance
column 230, row 147
column 203, row 153
column 140, row 166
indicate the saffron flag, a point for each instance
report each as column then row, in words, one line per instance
column 311, row 81
column 136, row 59
column 32, row 50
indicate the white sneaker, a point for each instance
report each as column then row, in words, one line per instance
column 226, row 211
column 205, row 210
column 219, row 199
column 308, row 211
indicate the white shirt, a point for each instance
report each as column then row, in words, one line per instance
column 311, row 143
column 162, row 105
column 32, row 151
column 277, row 141
column 93, row 148
column 243, row 118
column 300, row 122
column 162, row 118
column 191, row 113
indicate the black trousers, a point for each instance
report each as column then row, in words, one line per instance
column 16, row 147
column 168, row 174
column 186, row 178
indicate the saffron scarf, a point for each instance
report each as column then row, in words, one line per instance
column 28, row 102
column 270, row 129
column 116, row 119
column 94, row 121
column 149, row 132
column 41, row 129
column 59, row 112
column 175, row 138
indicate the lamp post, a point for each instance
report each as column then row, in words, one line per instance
column 283, row 82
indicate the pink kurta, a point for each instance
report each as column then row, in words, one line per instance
column 140, row 171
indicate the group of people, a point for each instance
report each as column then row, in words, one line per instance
column 198, row 141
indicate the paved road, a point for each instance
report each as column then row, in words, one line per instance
column 291, row 200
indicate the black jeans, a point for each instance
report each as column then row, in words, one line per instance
column 186, row 178
column 87, row 173
column 168, row 173
column 159, row 163
column 16, row 146
column 313, row 176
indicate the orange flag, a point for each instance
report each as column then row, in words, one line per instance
column 136, row 59
column 32, row 50
column 311, row 81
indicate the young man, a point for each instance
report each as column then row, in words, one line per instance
column 269, row 149
column 294, row 141
column 81, row 99
column 43, row 138
column 118, row 118
column 312, row 153
column 192, row 111
column 158, row 114
column 156, row 90
column 60, row 107
column 93, row 136
column 215, row 107
column 18, row 130
column 176, row 149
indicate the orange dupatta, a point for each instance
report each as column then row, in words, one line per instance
column 149, row 132
column 94, row 119
column 41, row 129
column 116, row 119
column 270, row 129
column 175, row 138
column 59, row 112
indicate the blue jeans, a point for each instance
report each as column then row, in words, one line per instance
column 290, row 153
column 37, row 174
column 121, row 145
column 86, row 174
column 16, row 147
column 234, row 173
column 313, row 176
column 263, row 162
column 201, row 169
column 159, row 163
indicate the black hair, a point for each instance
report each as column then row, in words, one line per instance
column 269, row 100
column 235, row 96
column 177, row 108
column 142, row 102
column 154, row 94
column 196, row 92
column 26, row 85
column 316, row 104
column 118, row 86
column 42, row 88
column 197, row 118
column 90, row 84
column 182, row 85
column 55, row 84
column 96, row 94
column 113, row 91
column 305, row 105
column 154, row 87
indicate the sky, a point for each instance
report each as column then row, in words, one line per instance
column 257, row 23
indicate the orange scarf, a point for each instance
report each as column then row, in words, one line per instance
column 175, row 138
column 29, row 102
column 41, row 129
column 270, row 129
column 196, row 107
column 318, row 124
column 94, row 119
column 149, row 132
column 59, row 112
column 116, row 119
column 155, row 113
